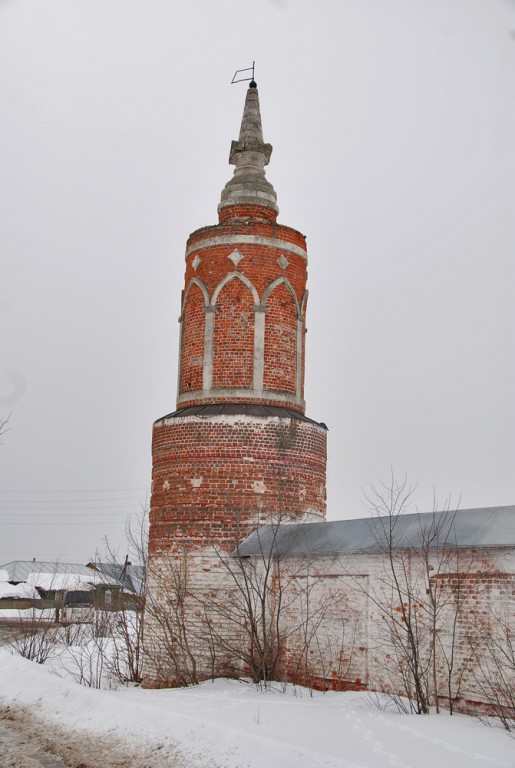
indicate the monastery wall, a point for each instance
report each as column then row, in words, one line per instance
column 357, row 631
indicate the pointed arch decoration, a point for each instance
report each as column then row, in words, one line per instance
column 280, row 339
column 191, row 356
column 234, row 276
column 273, row 285
column 195, row 281
column 233, row 333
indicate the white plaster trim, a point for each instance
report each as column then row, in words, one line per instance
column 195, row 281
column 209, row 332
column 237, row 418
column 227, row 279
column 298, row 361
column 179, row 367
column 259, row 348
column 274, row 284
column 303, row 303
column 235, row 257
column 271, row 242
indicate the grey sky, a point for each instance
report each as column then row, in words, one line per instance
column 392, row 123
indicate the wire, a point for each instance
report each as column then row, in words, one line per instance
column 65, row 501
column 96, row 490
column 66, row 522
column 86, row 508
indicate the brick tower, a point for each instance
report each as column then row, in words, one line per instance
column 239, row 449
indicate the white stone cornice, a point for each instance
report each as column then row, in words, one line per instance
column 271, row 242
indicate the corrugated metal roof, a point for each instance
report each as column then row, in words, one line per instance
column 483, row 527
column 131, row 576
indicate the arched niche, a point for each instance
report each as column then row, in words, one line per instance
column 280, row 359
column 192, row 336
column 233, row 337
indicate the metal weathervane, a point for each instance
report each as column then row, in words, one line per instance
column 236, row 79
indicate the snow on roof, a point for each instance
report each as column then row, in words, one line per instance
column 483, row 527
column 52, row 575
column 131, row 576
column 17, row 590
column 61, row 581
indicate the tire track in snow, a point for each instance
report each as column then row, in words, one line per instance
column 18, row 752
column 34, row 742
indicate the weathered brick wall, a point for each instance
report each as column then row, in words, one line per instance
column 215, row 478
column 184, row 591
column 334, row 622
column 326, row 626
column 352, row 645
column 249, row 345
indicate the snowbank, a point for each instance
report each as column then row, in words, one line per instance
column 231, row 724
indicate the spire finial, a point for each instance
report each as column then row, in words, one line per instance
column 250, row 155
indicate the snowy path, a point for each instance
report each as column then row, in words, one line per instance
column 18, row 751
column 29, row 741
column 227, row 724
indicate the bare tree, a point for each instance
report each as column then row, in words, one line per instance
column 267, row 611
column 493, row 649
column 406, row 644
column 35, row 637
column 123, row 620
column 215, row 612
column 4, row 424
column 419, row 604
column 172, row 621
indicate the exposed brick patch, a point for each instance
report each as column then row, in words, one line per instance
column 214, row 479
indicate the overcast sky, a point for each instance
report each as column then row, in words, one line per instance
column 393, row 127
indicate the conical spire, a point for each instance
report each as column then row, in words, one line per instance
column 250, row 154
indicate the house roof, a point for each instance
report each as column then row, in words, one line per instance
column 482, row 527
column 48, row 575
column 19, row 570
column 131, row 576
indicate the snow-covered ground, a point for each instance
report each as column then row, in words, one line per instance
column 230, row 724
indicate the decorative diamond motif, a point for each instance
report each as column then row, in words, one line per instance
column 283, row 261
column 196, row 261
column 235, row 257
